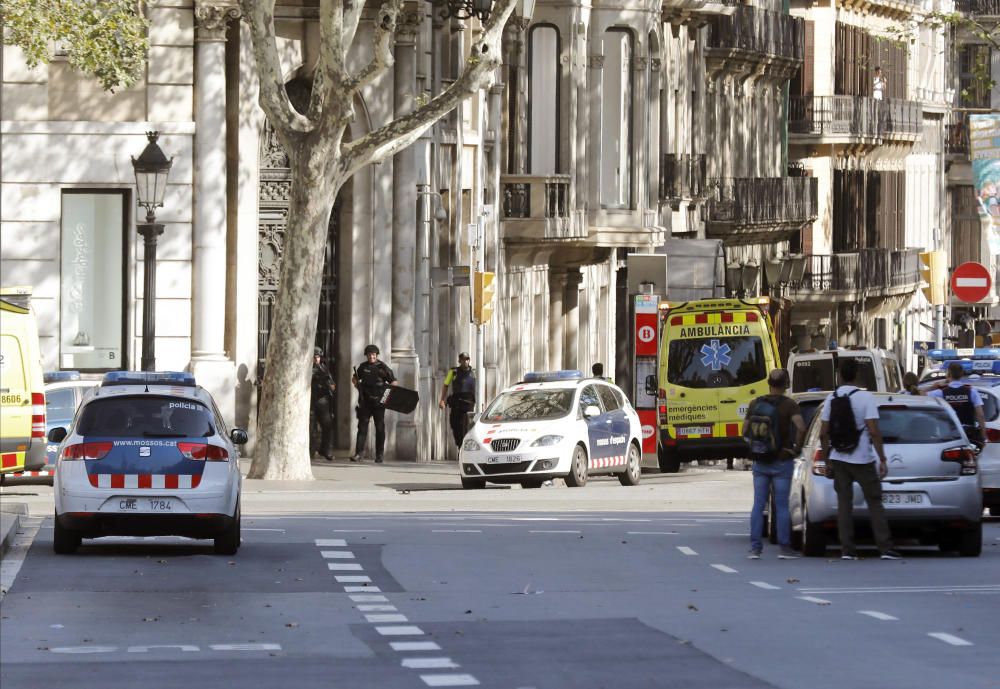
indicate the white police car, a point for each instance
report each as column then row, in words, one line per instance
column 147, row 454
column 550, row 425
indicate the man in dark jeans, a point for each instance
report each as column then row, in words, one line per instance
column 856, row 465
column 371, row 378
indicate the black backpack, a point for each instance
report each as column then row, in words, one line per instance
column 844, row 432
column 764, row 429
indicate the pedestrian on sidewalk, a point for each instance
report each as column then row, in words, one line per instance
column 371, row 378
column 322, row 388
column 848, row 434
column 774, row 430
column 462, row 400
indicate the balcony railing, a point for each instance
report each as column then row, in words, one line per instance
column 854, row 116
column 763, row 200
column 758, row 31
column 868, row 270
column 904, row 268
column 983, row 8
column 683, row 176
column 832, row 273
column 957, row 135
column 536, row 207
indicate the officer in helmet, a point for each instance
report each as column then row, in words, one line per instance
column 371, row 378
column 321, row 406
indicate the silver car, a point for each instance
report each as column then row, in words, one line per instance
column 932, row 491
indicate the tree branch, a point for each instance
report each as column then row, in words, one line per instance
column 274, row 101
column 330, row 72
column 353, row 10
column 382, row 59
column 479, row 72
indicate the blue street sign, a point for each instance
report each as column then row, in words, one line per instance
column 922, row 346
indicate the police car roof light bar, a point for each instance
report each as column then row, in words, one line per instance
column 60, row 376
column 552, row 376
column 176, row 378
column 977, row 366
column 969, row 353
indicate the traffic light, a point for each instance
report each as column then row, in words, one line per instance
column 934, row 275
column 484, row 291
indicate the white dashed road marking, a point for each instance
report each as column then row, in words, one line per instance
column 450, row 680
column 376, row 608
column 765, row 585
column 456, row 530
column 414, row 646
column 949, row 639
column 331, row 542
column 337, row 554
column 343, row 567
column 362, row 589
column 385, row 617
column 724, row 568
column 429, row 663
column 556, row 531
column 651, row 533
column 365, row 598
column 879, row 615
column 974, row 588
column 405, row 630
column 811, row 599
column 352, row 579
column 687, row 551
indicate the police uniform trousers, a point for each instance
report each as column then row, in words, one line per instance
column 459, row 420
column 369, row 410
column 322, row 414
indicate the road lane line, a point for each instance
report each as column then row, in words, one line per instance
column 811, row 599
column 744, row 535
column 337, row 554
column 950, row 639
column 404, row 630
column 381, row 607
column 555, row 531
column 382, row 617
column 358, row 530
column 331, row 542
column 450, row 680
column 651, row 533
column 429, row 663
column 352, row 579
column 365, row 598
column 456, row 530
column 765, row 585
column 362, row 589
column 344, row 567
column 247, row 528
column 414, row 646
column 245, row 647
column 687, row 551
column 972, row 588
column 724, row 568
column 879, row 615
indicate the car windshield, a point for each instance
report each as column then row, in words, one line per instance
column 902, row 425
column 530, row 405
column 817, row 374
column 145, row 417
column 716, row 362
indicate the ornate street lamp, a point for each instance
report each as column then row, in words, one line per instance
column 464, row 9
column 151, row 171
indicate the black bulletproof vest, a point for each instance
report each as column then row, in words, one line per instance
column 960, row 400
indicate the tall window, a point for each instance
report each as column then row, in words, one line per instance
column 543, row 101
column 616, row 120
column 91, row 323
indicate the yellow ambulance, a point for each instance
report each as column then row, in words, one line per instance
column 715, row 356
column 22, row 391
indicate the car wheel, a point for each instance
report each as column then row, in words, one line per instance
column 633, row 468
column 64, row 541
column 771, row 525
column 473, row 483
column 813, row 536
column 668, row 459
column 577, row 477
column 970, row 541
column 228, row 542
column 535, row 483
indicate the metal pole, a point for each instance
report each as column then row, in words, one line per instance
column 939, row 326
column 150, row 231
column 478, row 262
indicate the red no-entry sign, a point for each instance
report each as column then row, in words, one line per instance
column 971, row 282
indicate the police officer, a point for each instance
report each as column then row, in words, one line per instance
column 965, row 400
column 371, row 378
column 321, row 405
column 462, row 399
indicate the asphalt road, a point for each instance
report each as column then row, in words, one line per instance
column 513, row 600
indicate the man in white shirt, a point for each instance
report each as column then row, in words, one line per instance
column 855, row 464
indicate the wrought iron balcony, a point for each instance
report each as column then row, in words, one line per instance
column 695, row 12
column 854, row 117
column 760, row 208
column 904, row 270
column 761, row 32
column 957, row 135
column 683, row 177
column 537, row 207
column 854, row 274
column 826, row 273
column 981, row 8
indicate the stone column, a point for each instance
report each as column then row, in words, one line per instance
column 213, row 369
column 405, row 360
column 571, row 329
column 557, row 290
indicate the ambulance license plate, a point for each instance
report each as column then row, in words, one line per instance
column 504, row 459
column 694, row 430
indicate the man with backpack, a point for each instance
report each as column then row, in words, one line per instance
column 774, row 431
column 848, row 433
column 462, row 400
column 966, row 401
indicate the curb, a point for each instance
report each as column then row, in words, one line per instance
column 9, row 523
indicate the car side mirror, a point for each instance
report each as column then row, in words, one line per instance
column 57, row 434
column 591, row 411
column 651, row 386
column 239, row 436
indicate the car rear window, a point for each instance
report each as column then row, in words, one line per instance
column 528, row 405
column 818, row 374
column 145, row 417
column 60, row 404
column 902, row 425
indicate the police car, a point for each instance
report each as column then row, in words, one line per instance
column 147, row 454
column 556, row 424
